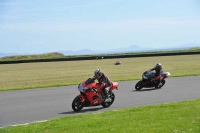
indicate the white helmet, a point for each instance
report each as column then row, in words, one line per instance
column 98, row 73
column 158, row 65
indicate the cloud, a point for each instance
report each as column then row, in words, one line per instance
column 39, row 42
column 63, row 7
column 34, row 43
column 92, row 4
column 11, row 3
column 67, row 41
column 132, row 25
column 9, row 17
column 16, row 7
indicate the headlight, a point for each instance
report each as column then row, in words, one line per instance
column 144, row 77
column 80, row 87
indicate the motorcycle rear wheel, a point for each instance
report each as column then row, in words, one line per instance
column 112, row 97
column 139, row 85
column 159, row 86
column 76, row 104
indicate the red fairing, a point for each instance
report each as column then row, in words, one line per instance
column 90, row 94
column 160, row 77
column 114, row 86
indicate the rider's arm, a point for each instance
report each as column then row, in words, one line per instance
column 151, row 69
column 108, row 81
column 94, row 78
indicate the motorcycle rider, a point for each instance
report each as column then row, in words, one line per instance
column 158, row 69
column 103, row 78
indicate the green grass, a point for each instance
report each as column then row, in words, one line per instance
column 180, row 117
column 49, row 74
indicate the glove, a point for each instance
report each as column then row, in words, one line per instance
column 94, row 78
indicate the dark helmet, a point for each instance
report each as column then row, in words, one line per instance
column 158, row 66
column 98, row 73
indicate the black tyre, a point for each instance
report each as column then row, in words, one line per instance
column 112, row 97
column 162, row 84
column 139, row 85
column 76, row 104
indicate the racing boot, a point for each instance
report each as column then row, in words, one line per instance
column 108, row 99
column 160, row 83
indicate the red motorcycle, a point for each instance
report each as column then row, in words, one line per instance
column 149, row 80
column 93, row 94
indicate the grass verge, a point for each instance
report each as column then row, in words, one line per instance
column 177, row 117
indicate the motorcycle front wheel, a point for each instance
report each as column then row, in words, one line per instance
column 139, row 85
column 76, row 104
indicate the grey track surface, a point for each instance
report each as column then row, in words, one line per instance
column 25, row 106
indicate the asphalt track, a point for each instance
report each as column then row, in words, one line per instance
column 26, row 106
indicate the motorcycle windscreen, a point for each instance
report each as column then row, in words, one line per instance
column 82, row 87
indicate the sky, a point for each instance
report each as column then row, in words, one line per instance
column 38, row 26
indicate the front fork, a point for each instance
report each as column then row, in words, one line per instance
column 82, row 97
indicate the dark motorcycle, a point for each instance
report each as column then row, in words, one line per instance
column 149, row 80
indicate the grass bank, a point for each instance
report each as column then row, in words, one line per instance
column 49, row 74
column 180, row 117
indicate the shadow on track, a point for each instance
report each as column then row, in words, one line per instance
column 149, row 89
column 83, row 110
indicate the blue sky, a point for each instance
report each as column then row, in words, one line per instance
column 37, row 26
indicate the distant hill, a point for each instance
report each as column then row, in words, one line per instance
column 7, row 54
column 132, row 48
